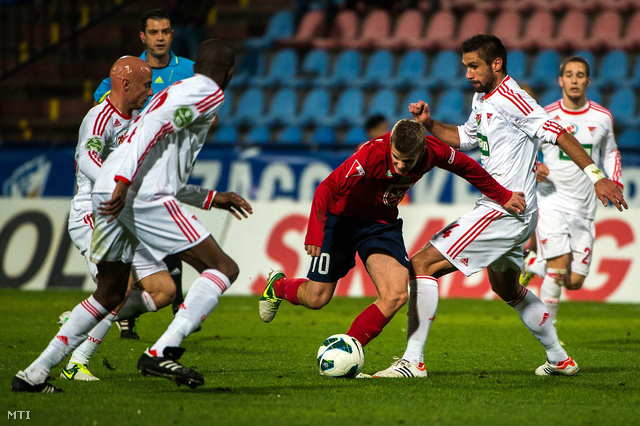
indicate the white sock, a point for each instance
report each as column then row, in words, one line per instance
column 538, row 266
column 85, row 351
column 138, row 303
column 535, row 317
column 200, row 301
column 83, row 318
column 550, row 291
column 423, row 304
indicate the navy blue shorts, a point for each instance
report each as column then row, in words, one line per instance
column 344, row 236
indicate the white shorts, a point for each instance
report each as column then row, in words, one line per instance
column 485, row 237
column 144, row 265
column 163, row 226
column 560, row 233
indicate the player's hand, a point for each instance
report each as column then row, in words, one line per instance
column 313, row 251
column 233, row 203
column 420, row 112
column 607, row 189
column 516, row 203
column 543, row 172
column 114, row 206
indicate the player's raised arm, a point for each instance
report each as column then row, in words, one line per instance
column 447, row 133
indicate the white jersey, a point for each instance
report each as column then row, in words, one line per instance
column 508, row 125
column 101, row 131
column 160, row 150
column 568, row 188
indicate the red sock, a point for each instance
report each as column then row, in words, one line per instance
column 287, row 289
column 368, row 324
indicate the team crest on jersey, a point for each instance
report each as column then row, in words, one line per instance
column 592, row 130
column 394, row 194
column 183, row 117
column 478, row 117
column 94, row 144
column 356, row 170
column 571, row 128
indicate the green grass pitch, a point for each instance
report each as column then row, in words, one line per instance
column 480, row 360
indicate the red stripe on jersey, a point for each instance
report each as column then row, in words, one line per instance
column 602, row 109
column 204, row 104
column 515, row 99
column 209, row 203
column 88, row 219
column 103, row 119
column 553, row 127
column 211, row 104
column 473, row 232
column 95, row 157
column 183, row 223
column 617, row 169
column 215, row 279
column 92, row 310
column 164, row 130
column 552, row 107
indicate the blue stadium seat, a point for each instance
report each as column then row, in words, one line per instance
column 252, row 64
column 225, row 135
column 315, row 108
column 292, row 135
column 629, row 140
column 347, row 68
column 622, row 105
column 355, row 136
column 412, row 69
column 282, row 109
column 314, row 65
column 280, row 26
column 250, row 106
column 445, row 71
column 378, row 70
column 384, row 102
column 544, row 72
column 348, row 110
column 594, row 95
column 414, row 95
column 549, row 96
column 258, row 135
column 324, row 136
column 283, row 69
column 451, row 107
column 612, row 71
column 590, row 57
column 517, row 65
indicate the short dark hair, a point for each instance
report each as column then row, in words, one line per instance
column 574, row 58
column 408, row 136
column 214, row 55
column 155, row 14
column 373, row 121
column 489, row 47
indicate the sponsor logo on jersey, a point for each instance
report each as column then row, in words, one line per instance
column 356, row 170
column 394, row 194
column 117, row 123
column 446, row 232
column 464, row 261
column 587, row 147
column 483, row 144
column 183, row 117
column 94, row 144
column 159, row 80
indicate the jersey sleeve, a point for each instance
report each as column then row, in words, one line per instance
column 339, row 182
column 103, row 90
column 196, row 196
column 611, row 158
column 448, row 158
column 89, row 156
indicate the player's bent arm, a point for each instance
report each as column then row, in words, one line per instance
column 114, row 206
column 447, row 133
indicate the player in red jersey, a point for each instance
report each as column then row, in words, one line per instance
column 355, row 210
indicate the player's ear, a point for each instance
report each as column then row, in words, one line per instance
column 497, row 64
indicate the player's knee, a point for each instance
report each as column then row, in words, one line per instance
column 228, row 267
column 576, row 282
column 318, row 300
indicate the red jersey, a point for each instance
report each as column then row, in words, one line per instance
column 365, row 187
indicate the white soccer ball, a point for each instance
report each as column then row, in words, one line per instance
column 340, row 355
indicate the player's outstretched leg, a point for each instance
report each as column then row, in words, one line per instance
column 401, row 368
column 269, row 302
column 568, row 367
column 21, row 383
column 169, row 367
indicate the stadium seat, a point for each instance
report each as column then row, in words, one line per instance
column 612, row 71
column 451, row 108
column 282, row 109
column 314, row 65
column 411, row 71
column 346, row 69
column 445, row 71
column 375, row 26
column 622, row 105
column 384, row 102
column 629, row 140
column 544, row 72
column 517, row 66
column 475, row 21
column 345, row 27
column 249, row 106
column 606, row 31
column 348, row 110
column 258, row 135
column 355, row 136
column 251, row 65
column 439, row 31
column 549, row 96
column 631, row 37
column 591, row 59
column 572, row 31
column 283, row 68
column 280, row 26
column 315, row 108
column 311, row 26
column 414, row 95
column 539, row 31
column 507, row 26
column 324, row 136
column 379, row 69
column 634, row 80
column 408, row 30
column 291, row 136
column 594, row 95
column 225, row 135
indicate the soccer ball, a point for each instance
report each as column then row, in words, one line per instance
column 340, row 355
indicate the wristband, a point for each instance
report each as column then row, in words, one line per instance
column 593, row 172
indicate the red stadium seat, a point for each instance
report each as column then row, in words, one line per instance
column 375, row 26
column 440, row 30
column 408, row 30
column 572, row 31
column 539, row 31
column 606, row 31
column 507, row 26
column 345, row 27
column 473, row 22
column 312, row 26
column 631, row 38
